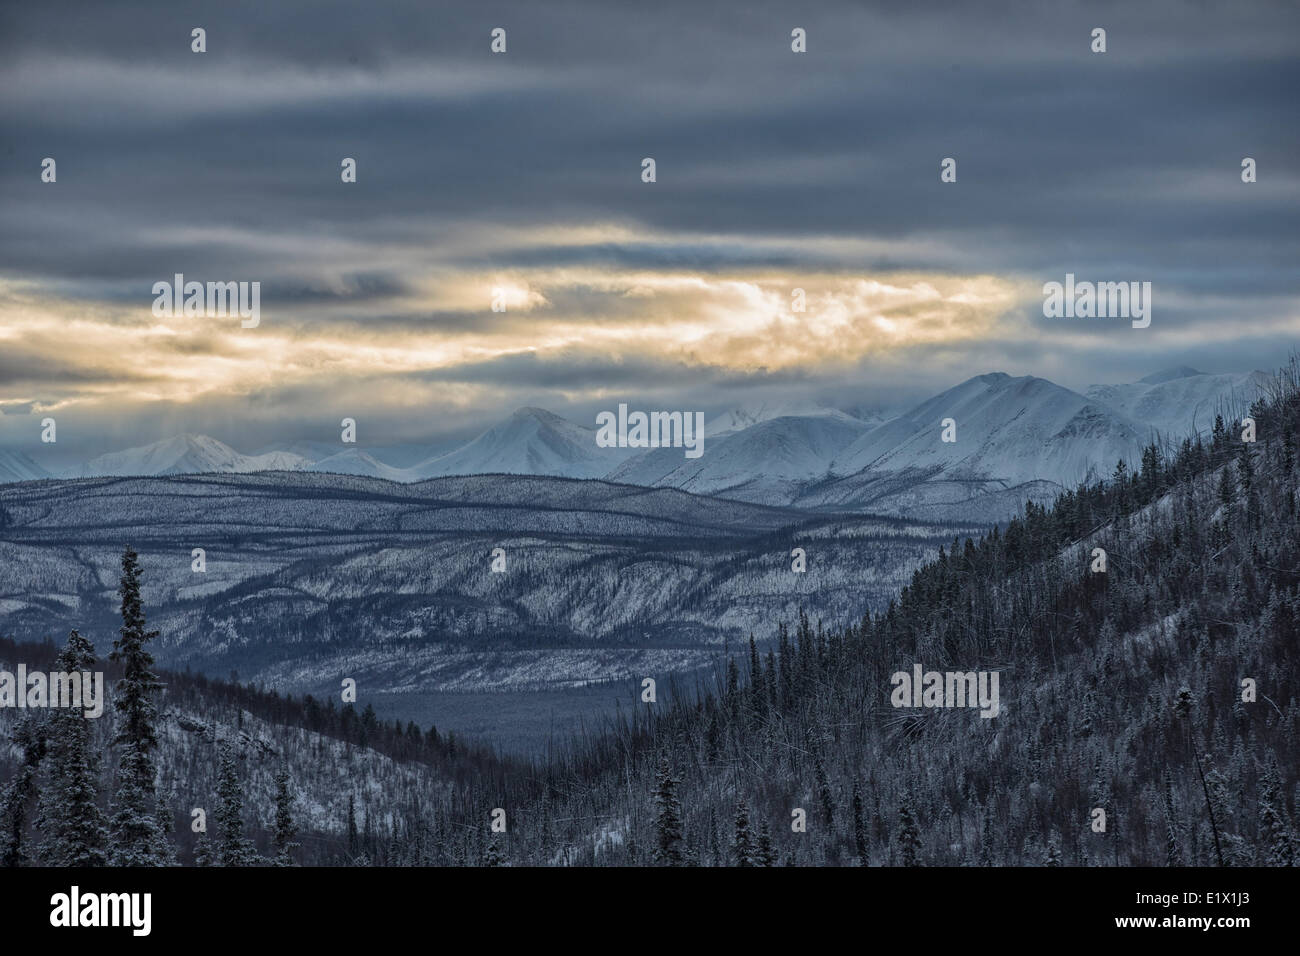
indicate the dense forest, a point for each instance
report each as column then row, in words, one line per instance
column 1146, row 631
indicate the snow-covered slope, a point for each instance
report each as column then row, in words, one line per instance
column 1009, row 429
column 765, row 462
column 1010, row 432
column 16, row 466
column 1179, row 401
column 184, row 454
column 532, row 441
column 307, row 450
column 746, row 416
column 354, row 461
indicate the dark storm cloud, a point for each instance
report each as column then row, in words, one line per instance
column 226, row 165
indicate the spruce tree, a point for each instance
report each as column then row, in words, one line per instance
column 354, row 839
column 909, row 835
column 859, row 826
column 766, row 855
column 743, row 845
column 1277, row 843
column 166, row 826
column 203, row 851
column 1052, row 857
column 986, row 842
column 232, row 847
column 668, row 823
column 757, row 688
column 136, row 836
column 285, row 828
column 29, row 736
column 493, row 856
column 74, row 828
column 824, row 792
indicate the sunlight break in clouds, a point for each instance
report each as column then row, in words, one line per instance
column 738, row 323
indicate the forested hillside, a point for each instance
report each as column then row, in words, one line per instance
column 1121, row 691
column 1154, row 683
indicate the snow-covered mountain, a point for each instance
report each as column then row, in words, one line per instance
column 354, row 461
column 1011, row 429
column 1179, row 401
column 16, row 466
column 307, row 450
column 766, row 462
column 184, row 454
column 747, row 416
column 1016, row 438
column 532, row 441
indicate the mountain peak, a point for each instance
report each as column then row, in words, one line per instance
column 534, row 413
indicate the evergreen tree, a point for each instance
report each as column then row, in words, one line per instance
column 1053, row 855
column 859, row 826
column 354, row 839
column 986, row 843
column 824, row 792
column 74, row 828
column 743, row 845
column 1173, row 854
column 233, row 849
column 285, row 828
column 30, row 737
column 166, row 824
column 757, row 684
column 668, row 824
column 137, row 840
column 493, row 855
column 909, row 835
column 1227, row 487
column 1277, row 843
column 203, row 851
column 766, row 855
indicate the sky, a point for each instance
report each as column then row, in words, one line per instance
column 522, row 172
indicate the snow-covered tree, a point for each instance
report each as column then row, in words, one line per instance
column 285, row 828
column 233, row 849
column 15, row 798
column 668, row 823
column 743, row 844
column 909, row 835
column 74, row 829
column 137, row 840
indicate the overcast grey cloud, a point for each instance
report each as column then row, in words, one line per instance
column 523, row 169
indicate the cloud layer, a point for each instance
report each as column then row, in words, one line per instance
column 521, row 172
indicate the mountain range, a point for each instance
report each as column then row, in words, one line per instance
column 1015, row 438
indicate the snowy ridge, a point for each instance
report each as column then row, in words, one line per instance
column 184, row 454
column 1178, row 402
column 16, row 466
column 1017, row 438
column 532, row 441
column 764, row 462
